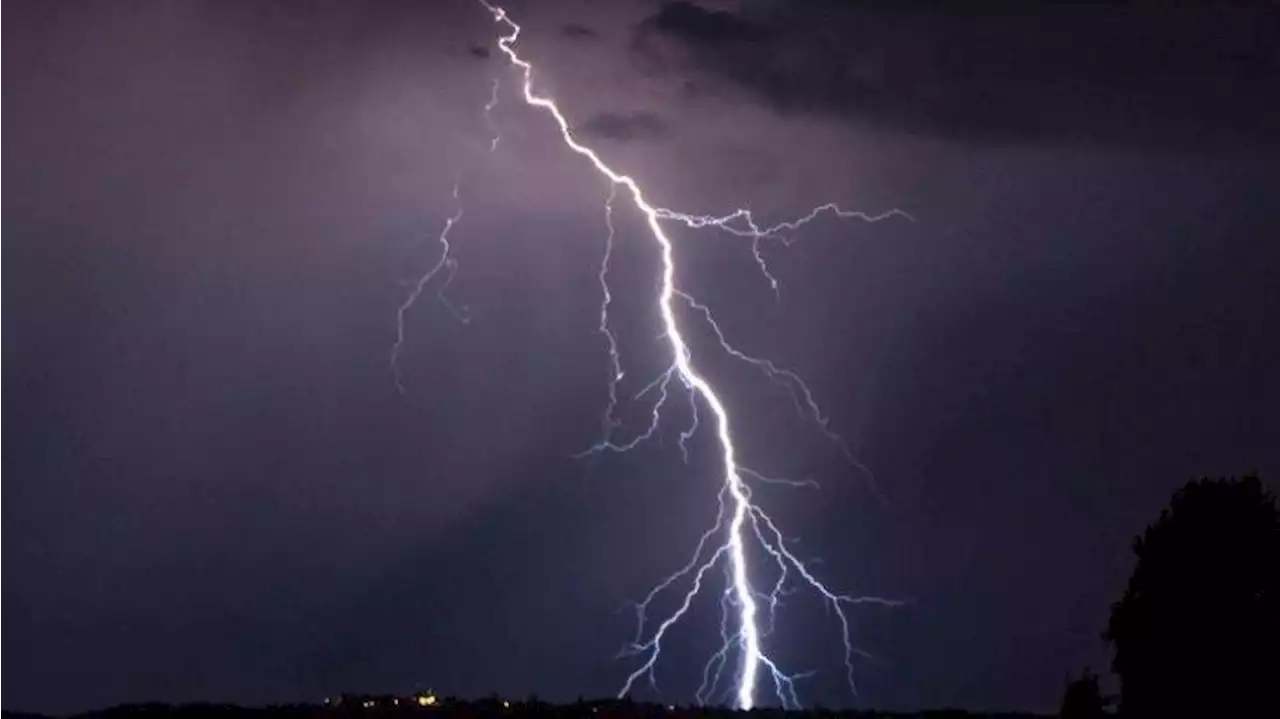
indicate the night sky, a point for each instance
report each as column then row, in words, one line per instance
column 212, row 211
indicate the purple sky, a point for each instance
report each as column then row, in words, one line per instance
column 212, row 211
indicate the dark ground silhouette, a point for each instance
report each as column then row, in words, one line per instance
column 1083, row 698
column 1196, row 631
column 388, row 707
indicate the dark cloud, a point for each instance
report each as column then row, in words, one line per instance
column 1114, row 74
column 696, row 24
column 578, row 31
column 478, row 51
column 638, row 125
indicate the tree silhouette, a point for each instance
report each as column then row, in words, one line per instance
column 1083, row 698
column 1197, row 630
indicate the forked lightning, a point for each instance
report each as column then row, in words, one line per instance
column 740, row 523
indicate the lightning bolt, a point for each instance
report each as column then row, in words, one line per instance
column 747, row 613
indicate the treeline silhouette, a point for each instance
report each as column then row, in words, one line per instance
column 1197, row 630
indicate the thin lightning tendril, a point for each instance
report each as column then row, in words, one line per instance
column 742, row 223
column 488, row 116
column 737, row 516
column 446, row 263
column 615, row 361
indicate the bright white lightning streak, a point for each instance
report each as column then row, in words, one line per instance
column 740, row 595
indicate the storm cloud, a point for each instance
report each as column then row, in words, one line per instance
column 627, row 126
column 578, row 31
column 1127, row 73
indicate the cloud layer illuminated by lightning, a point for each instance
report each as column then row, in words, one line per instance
column 741, row 526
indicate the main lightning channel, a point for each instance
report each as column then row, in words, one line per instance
column 738, row 516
